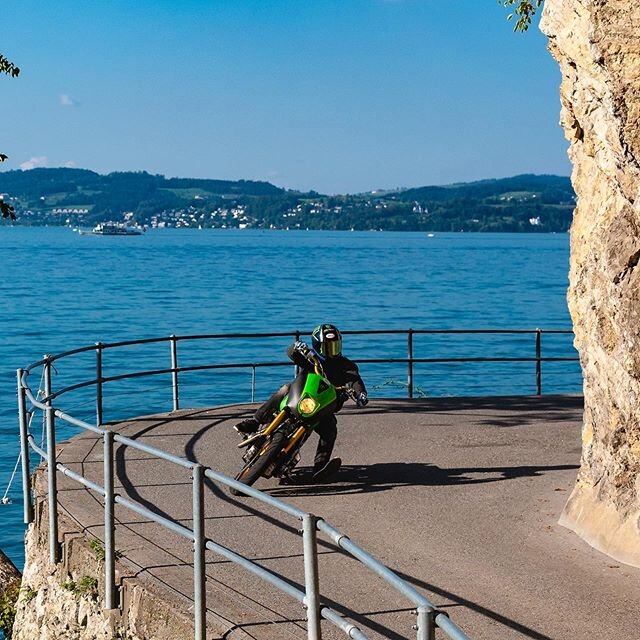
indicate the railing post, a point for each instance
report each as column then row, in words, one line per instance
column 110, row 600
column 410, row 363
column 311, row 581
column 174, row 372
column 199, row 577
column 98, row 383
column 296, row 368
column 54, row 550
column 426, row 623
column 538, row 363
column 253, row 383
column 24, row 451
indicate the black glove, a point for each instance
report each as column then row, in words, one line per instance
column 362, row 399
column 300, row 346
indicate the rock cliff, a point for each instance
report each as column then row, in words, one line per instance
column 64, row 601
column 597, row 44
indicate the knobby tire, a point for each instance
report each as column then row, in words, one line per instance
column 254, row 469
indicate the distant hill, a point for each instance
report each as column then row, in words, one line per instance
column 83, row 197
column 555, row 187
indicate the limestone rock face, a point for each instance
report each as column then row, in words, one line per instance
column 64, row 601
column 597, row 44
column 48, row 611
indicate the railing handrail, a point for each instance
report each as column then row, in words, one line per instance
column 285, row 334
column 334, row 534
column 255, row 365
column 428, row 615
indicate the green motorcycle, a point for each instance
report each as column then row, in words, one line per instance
column 274, row 451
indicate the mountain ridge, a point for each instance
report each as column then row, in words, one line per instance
column 525, row 202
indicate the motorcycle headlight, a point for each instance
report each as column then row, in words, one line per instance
column 307, row 405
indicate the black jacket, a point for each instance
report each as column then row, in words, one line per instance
column 339, row 370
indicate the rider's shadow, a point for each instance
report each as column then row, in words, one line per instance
column 383, row 476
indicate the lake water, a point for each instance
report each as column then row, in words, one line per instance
column 61, row 290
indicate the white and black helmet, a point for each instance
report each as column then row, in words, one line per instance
column 326, row 340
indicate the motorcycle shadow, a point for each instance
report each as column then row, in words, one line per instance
column 385, row 476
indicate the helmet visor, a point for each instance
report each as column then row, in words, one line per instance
column 332, row 347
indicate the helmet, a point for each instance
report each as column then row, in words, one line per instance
column 326, row 341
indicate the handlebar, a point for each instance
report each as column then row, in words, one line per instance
column 312, row 358
column 315, row 361
column 348, row 390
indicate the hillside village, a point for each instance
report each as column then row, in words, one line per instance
column 78, row 197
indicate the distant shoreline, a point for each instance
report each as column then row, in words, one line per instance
column 17, row 224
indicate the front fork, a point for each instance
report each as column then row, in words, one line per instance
column 295, row 438
column 291, row 452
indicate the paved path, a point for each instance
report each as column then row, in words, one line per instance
column 460, row 496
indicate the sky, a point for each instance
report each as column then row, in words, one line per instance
column 339, row 96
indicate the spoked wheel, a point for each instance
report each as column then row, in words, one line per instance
column 256, row 467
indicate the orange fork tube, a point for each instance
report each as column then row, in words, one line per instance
column 275, row 423
column 294, row 439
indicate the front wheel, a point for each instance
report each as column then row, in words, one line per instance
column 256, row 467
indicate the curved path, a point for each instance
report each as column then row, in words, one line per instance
column 460, row 496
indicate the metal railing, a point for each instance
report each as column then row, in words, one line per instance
column 428, row 616
column 536, row 357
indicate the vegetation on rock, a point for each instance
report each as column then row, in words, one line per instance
column 8, row 601
column 97, row 548
column 87, row 585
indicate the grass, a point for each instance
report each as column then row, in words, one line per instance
column 98, row 549
column 87, row 585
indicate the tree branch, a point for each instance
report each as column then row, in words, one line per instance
column 7, row 67
column 524, row 12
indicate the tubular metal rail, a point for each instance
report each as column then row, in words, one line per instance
column 428, row 616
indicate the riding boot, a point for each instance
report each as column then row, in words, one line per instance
column 248, row 426
column 327, row 470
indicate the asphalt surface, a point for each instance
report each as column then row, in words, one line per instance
column 460, row 497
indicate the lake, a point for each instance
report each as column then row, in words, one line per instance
column 63, row 290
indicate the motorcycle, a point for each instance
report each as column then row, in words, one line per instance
column 274, row 451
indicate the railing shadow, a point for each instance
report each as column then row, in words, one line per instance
column 503, row 411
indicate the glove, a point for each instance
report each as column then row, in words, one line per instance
column 300, row 346
column 362, row 399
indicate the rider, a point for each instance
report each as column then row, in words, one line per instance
column 326, row 344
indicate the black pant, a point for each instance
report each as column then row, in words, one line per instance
column 326, row 429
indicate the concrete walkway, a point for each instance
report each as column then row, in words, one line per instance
column 460, row 496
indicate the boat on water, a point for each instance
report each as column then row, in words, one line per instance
column 112, row 229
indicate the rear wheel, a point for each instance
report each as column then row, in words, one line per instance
column 254, row 469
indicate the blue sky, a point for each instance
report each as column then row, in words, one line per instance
column 334, row 95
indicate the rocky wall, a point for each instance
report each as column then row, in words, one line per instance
column 597, row 45
column 64, row 601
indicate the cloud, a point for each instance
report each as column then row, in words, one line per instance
column 32, row 163
column 69, row 164
column 67, row 101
